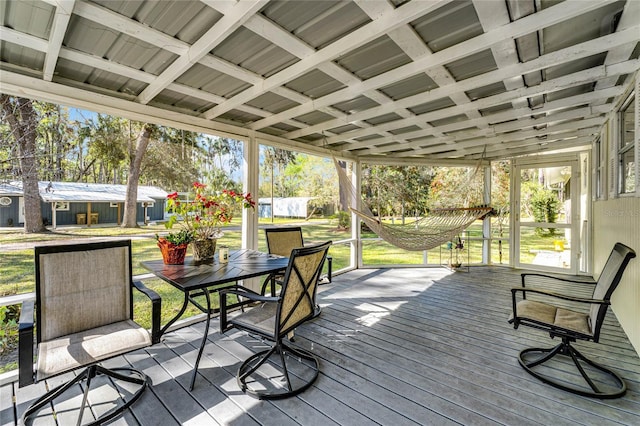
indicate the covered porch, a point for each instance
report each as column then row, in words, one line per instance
column 396, row 347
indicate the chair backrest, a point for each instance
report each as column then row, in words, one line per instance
column 283, row 240
column 82, row 286
column 607, row 283
column 298, row 294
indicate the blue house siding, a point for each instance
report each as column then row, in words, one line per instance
column 10, row 213
column 78, row 195
column 106, row 213
column 68, row 217
column 157, row 211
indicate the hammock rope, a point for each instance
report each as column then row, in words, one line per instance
column 425, row 233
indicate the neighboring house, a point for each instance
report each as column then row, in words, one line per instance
column 290, row 207
column 67, row 203
column 284, row 207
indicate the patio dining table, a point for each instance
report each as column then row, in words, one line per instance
column 200, row 278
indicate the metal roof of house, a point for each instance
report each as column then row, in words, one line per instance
column 79, row 192
column 429, row 80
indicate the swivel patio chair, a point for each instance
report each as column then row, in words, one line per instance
column 83, row 315
column 281, row 241
column 597, row 381
column 272, row 320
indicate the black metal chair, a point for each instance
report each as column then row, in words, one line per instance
column 272, row 320
column 83, row 315
column 281, row 241
column 569, row 325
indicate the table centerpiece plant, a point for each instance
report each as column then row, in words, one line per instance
column 203, row 213
column 173, row 246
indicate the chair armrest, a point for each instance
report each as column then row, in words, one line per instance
column 156, row 309
column 554, row 295
column 252, row 296
column 248, row 294
column 25, row 344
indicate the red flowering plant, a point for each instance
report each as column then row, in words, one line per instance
column 204, row 211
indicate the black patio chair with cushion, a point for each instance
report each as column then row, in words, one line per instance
column 83, row 315
column 272, row 320
column 281, row 241
column 558, row 320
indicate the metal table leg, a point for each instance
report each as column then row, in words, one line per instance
column 204, row 338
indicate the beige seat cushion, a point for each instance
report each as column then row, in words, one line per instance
column 548, row 314
column 261, row 318
column 75, row 350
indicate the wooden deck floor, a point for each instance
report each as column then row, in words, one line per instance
column 396, row 347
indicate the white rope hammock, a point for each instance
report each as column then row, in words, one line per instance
column 425, row 233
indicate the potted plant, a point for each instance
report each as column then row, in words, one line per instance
column 203, row 213
column 173, row 246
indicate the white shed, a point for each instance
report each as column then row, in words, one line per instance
column 284, row 206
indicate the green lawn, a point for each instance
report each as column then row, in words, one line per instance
column 18, row 270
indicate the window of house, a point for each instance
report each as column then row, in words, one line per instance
column 600, row 169
column 626, row 151
column 62, row 205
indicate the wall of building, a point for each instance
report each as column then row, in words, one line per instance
column 618, row 220
column 616, row 217
column 9, row 215
column 106, row 213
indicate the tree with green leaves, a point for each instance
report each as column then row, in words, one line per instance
column 55, row 140
column 276, row 160
column 312, row 176
column 377, row 190
column 544, row 205
column 23, row 122
column 108, row 145
column 397, row 190
column 136, row 154
column 172, row 160
column 223, row 158
column 457, row 187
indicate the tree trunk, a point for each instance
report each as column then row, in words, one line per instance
column 135, row 163
column 22, row 121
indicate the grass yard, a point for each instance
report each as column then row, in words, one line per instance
column 17, row 269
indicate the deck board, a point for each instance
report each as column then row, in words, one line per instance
column 396, row 347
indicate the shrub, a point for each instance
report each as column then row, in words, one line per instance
column 544, row 203
column 344, row 220
column 8, row 328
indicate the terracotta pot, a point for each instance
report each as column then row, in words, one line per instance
column 172, row 254
column 204, row 249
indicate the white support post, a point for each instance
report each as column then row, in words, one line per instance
column 486, row 223
column 250, row 174
column 250, row 168
column 356, row 245
column 53, row 215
